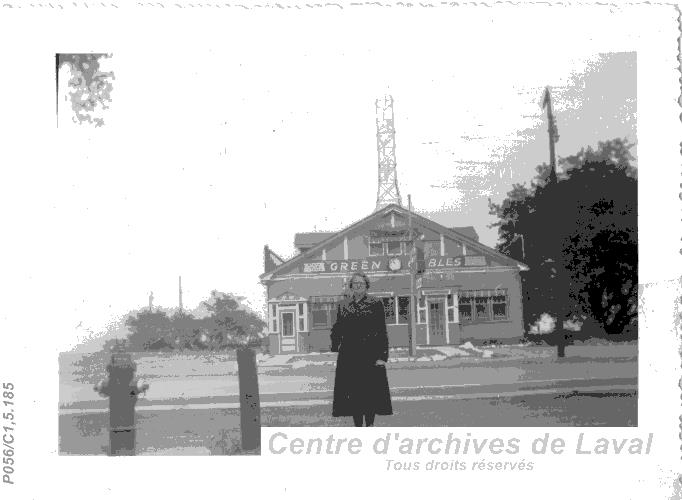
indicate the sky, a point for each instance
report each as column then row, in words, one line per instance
column 257, row 128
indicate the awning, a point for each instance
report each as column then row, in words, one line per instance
column 326, row 299
column 483, row 293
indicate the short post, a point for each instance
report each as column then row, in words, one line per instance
column 249, row 398
column 561, row 345
column 563, row 338
column 122, row 388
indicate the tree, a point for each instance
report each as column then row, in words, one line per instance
column 232, row 324
column 184, row 328
column 89, row 87
column 149, row 330
column 579, row 238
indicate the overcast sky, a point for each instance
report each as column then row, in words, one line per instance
column 258, row 127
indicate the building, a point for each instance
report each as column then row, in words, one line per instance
column 465, row 290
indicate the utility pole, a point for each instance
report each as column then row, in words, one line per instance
column 553, row 135
column 559, row 333
column 412, row 267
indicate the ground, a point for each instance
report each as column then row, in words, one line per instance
column 192, row 404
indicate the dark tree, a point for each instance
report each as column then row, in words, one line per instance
column 579, row 238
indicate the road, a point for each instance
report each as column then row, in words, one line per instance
column 211, row 430
column 192, row 415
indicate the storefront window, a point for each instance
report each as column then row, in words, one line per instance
column 389, row 309
column 323, row 314
column 403, row 310
column 465, row 309
column 499, row 307
column 483, row 305
column 482, row 308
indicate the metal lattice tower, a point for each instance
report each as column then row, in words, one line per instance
column 388, row 192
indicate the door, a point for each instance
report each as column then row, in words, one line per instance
column 437, row 321
column 288, row 331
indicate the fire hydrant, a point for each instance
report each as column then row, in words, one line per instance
column 122, row 388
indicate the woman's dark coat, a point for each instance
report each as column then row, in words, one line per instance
column 359, row 336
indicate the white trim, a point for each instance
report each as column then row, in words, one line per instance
column 441, row 291
column 324, row 254
column 426, row 303
column 442, row 245
column 444, row 301
column 398, row 273
column 345, row 248
column 288, row 310
column 392, row 219
column 464, row 249
column 455, row 306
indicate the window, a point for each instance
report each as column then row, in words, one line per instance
column 421, row 310
column 376, row 249
column 389, row 309
column 499, row 307
column 465, row 309
column 323, row 314
column 450, row 300
column 451, row 315
column 394, row 248
column 482, row 308
column 403, row 310
column 483, row 305
column 273, row 318
column 300, row 309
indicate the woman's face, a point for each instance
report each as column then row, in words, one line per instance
column 358, row 286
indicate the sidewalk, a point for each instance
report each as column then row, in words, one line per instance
column 314, row 379
column 441, row 356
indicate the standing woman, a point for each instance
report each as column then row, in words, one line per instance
column 359, row 336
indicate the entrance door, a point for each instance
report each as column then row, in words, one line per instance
column 288, row 334
column 437, row 322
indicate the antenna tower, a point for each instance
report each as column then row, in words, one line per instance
column 388, row 192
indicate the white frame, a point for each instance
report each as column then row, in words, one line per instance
column 432, row 298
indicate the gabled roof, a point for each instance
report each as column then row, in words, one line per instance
column 468, row 231
column 303, row 241
column 333, row 237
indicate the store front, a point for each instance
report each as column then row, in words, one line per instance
column 464, row 290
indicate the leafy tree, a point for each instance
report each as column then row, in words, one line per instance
column 184, row 328
column 149, row 330
column 89, row 87
column 578, row 236
column 230, row 323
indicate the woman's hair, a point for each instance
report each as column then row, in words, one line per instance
column 361, row 275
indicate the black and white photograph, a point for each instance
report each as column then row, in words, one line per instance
column 247, row 231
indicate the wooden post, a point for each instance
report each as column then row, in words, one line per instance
column 249, row 398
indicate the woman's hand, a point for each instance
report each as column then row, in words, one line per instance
column 380, row 362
